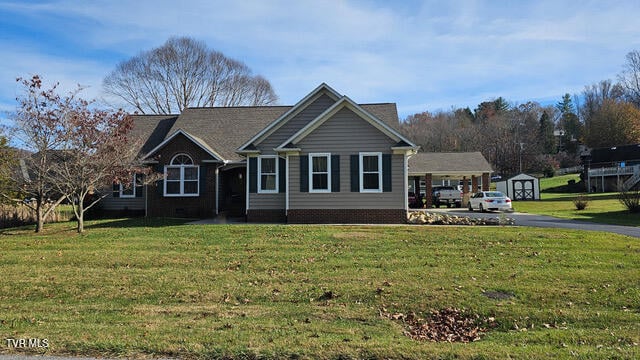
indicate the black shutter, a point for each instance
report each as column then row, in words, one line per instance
column 139, row 180
column 203, row 180
column 304, row 173
column 335, row 173
column 387, row 175
column 253, row 175
column 355, row 173
column 116, row 190
column 282, row 175
column 160, row 183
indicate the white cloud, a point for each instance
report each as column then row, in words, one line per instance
column 417, row 53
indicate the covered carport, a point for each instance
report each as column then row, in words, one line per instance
column 458, row 166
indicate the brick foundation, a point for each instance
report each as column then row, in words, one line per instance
column 266, row 216
column 347, row 216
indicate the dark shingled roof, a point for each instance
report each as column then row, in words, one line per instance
column 151, row 130
column 225, row 129
column 463, row 163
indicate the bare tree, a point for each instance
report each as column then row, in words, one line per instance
column 185, row 73
column 629, row 78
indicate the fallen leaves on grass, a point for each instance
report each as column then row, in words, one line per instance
column 445, row 325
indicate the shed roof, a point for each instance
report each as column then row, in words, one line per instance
column 449, row 164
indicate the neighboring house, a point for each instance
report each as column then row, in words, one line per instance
column 326, row 159
column 612, row 168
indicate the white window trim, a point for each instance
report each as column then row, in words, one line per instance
column 133, row 187
column 268, row 191
column 325, row 155
column 182, row 180
column 361, row 170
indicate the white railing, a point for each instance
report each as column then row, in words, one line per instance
column 614, row 171
column 633, row 180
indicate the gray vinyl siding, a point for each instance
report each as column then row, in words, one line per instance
column 266, row 201
column 259, row 201
column 271, row 201
column 296, row 123
column 111, row 203
column 346, row 134
column 345, row 199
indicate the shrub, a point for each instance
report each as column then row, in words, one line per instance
column 581, row 201
column 630, row 199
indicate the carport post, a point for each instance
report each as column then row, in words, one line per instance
column 428, row 188
column 465, row 186
column 485, row 181
column 474, row 183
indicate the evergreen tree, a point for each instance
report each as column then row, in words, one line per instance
column 570, row 125
column 545, row 134
column 566, row 105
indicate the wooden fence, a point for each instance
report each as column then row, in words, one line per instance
column 19, row 215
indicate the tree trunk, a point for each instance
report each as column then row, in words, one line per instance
column 39, row 216
column 80, row 216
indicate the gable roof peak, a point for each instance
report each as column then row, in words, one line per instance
column 321, row 89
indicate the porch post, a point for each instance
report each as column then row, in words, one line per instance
column 428, row 179
column 416, row 185
column 485, row 181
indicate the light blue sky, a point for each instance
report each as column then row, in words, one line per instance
column 423, row 55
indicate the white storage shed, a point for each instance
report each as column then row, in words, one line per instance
column 520, row 187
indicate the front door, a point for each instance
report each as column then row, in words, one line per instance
column 232, row 191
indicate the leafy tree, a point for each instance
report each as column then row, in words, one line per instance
column 37, row 125
column 74, row 149
column 185, row 73
column 96, row 150
column 614, row 123
column 489, row 109
column 8, row 163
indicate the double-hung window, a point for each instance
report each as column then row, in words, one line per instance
column 268, row 174
column 320, row 172
column 181, row 177
column 128, row 190
column 370, row 172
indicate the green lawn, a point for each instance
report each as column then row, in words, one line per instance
column 602, row 207
column 155, row 288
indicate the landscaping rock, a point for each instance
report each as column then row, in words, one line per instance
column 421, row 217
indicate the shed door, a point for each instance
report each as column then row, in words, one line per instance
column 523, row 190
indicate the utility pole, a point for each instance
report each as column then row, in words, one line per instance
column 521, row 147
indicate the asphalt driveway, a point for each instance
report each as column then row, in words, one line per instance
column 543, row 221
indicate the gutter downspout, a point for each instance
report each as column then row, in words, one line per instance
column 406, row 182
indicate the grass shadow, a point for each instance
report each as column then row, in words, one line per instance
column 621, row 217
column 136, row 222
